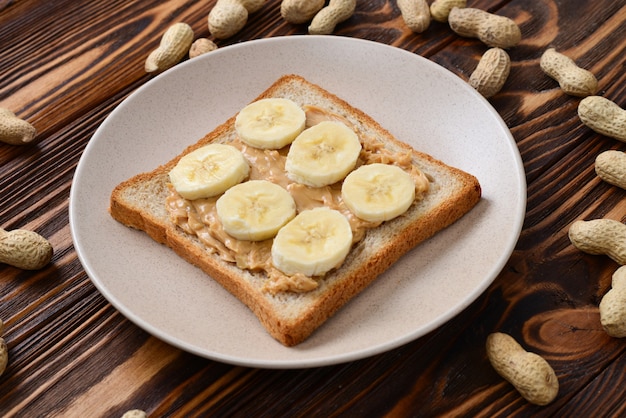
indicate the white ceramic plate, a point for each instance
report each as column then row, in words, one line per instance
column 417, row 100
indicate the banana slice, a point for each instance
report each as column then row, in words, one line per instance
column 255, row 210
column 323, row 154
column 209, row 171
column 312, row 243
column 270, row 123
column 378, row 192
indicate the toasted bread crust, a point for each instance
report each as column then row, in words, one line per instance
column 139, row 202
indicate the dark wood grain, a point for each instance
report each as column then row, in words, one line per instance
column 65, row 65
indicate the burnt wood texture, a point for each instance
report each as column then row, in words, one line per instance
column 65, row 65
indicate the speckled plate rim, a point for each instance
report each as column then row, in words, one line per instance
column 417, row 100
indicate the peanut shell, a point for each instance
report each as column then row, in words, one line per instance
column 529, row 373
column 491, row 72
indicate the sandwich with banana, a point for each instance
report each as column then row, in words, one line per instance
column 295, row 204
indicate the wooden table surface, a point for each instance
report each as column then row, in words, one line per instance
column 65, row 65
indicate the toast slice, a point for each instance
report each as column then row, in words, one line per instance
column 291, row 317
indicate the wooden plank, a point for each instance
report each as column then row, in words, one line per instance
column 71, row 351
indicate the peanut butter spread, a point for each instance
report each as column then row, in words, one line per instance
column 199, row 217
